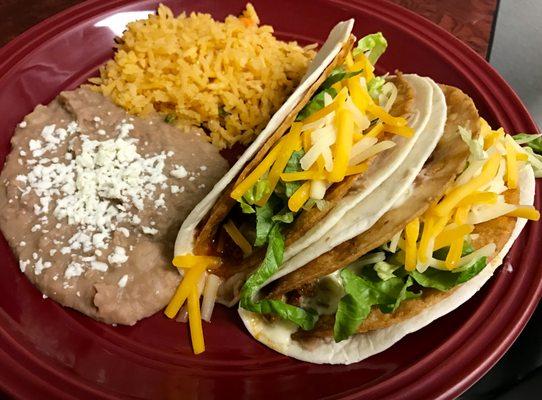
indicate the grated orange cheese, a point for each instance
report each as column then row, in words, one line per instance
column 287, row 148
column 405, row 131
column 448, row 236
column 190, row 281
column 356, row 169
column 528, row 212
column 343, row 145
column 190, row 261
column 359, row 95
column 479, row 198
column 450, row 201
column 301, row 195
column 388, row 119
column 375, row 130
column 258, row 172
column 412, row 231
column 194, row 320
column 512, row 170
column 427, row 235
column 237, row 237
column 302, row 176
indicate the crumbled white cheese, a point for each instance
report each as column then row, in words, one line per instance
column 73, row 269
column 99, row 266
column 40, row 265
column 22, row 124
column 118, row 256
column 149, row 231
column 191, row 179
column 124, row 231
column 179, row 172
column 22, row 243
column 123, row 281
column 44, row 296
column 97, row 186
column 203, row 167
column 23, row 264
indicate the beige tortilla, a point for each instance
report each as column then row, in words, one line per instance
column 314, row 222
column 338, row 39
column 430, row 105
column 278, row 335
column 446, row 162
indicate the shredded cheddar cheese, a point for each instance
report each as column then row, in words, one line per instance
column 300, row 196
column 427, row 236
column 290, row 144
column 528, row 212
column 194, row 320
column 302, row 176
column 448, row 236
column 190, row 261
column 375, row 130
column 189, row 282
column 343, row 145
column 512, row 169
column 489, row 170
column 356, row 169
column 412, row 231
column 258, row 172
column 405, row 131
column 381, row 114
column 237, row 237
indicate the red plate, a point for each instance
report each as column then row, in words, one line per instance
column 47, row 351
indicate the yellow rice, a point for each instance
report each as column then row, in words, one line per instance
column 227, row 77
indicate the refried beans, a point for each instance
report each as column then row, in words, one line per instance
column 92, row 199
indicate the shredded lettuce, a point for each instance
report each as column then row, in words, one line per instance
column 337, row 75
column 532, row 144
column 316, row 103
column 304, row 318
column 264, row 221
column 385, row 270
column 373, row 46
column 446, row 280
column 375, row 87
column 256, row 192
column 293, row 165
column 475, row 145
column 245, row 207
column 284, row 216
column 361, row 295
column 532, row 141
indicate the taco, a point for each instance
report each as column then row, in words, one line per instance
column 329, row 225
column 440, row 242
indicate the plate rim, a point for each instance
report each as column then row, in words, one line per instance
column 439, row 39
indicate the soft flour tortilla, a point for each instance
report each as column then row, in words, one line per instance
column 413, row 101
column 356, row 216
column 430, row 118
column 277, row 335
column 338, row 38
column 446, row 162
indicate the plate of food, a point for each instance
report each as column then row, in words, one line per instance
column 225, row 199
